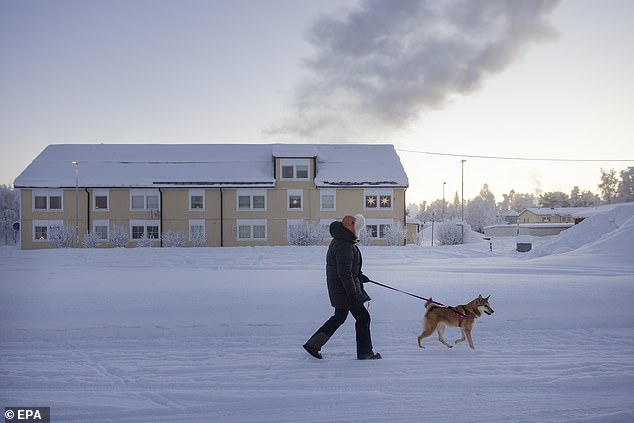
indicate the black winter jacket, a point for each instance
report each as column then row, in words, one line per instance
column 343, row 269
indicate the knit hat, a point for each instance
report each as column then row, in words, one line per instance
column 359, row 224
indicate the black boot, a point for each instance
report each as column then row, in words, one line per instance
column 315, row 343
column 369, row 356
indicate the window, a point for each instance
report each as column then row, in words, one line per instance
column 251, row 199
column 378, row 228
column 197, row 233
column 42, row 228
column 251, row 230
column 100, row 228
column 327, row 199
column 295, row 199
column 100, row 200
column 378, row 199
column 295, row 169
column 196, row 199
column 50, row 200
column 144, row 229
column 144, row 200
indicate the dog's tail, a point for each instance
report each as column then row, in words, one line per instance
column 430, row 304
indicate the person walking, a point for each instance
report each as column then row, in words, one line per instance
column 345, row 289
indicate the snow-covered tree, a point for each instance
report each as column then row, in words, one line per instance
column 608, row 186
column 395, row 235
column 580, row 198
column 9, row 212
column 554, row 199
column 448, row 234
column 482, row 210
column 626, row 186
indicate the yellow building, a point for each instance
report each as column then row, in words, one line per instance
column 211, row 194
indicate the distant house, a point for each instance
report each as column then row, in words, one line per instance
column 414, row 228
column 232, row 194
column 549, row 215
column 540, row 221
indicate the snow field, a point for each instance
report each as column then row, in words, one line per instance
column 215, row 335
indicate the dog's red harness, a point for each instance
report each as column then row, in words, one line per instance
column 461, row 317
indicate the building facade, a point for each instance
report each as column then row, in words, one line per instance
column 212, row 195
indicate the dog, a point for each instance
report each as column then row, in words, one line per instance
column 463, row 316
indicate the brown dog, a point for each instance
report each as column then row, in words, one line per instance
column 462, row 316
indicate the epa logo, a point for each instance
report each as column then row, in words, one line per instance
column 27, row 414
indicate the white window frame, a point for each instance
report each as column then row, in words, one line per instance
column 378, row 193
column 145, row 193
column 251, row 193
column 102, row 223
column 196, row 193
column 295, row 164
column 196, row 223
column 295, row 193
column 327, row 192
column 100, row 193
column 48, row 193
column 378, row 223
column 251, row 223
column 145, row 224
column 49, row 224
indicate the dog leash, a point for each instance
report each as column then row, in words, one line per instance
column 406, row 293
column 454, row 309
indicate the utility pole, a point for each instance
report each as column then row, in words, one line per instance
column 76, row 164
column 462, row 195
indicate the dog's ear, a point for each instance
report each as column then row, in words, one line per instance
column 480, row 297
column 487, row 298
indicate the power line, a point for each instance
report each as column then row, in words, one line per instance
column 537, row 159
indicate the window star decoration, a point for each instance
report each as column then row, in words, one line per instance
column 386, row 201
column 370, row 201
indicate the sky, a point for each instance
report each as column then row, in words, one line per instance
column 441, row 81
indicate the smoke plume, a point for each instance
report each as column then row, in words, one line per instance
column 383, row 63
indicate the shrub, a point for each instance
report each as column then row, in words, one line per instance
column 306, row 234
column 449, row 234
column 61, row 236
column 119, row 236
column 173, row 239
column 91, row 240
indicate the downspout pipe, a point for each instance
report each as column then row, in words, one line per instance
column 222, row 219
column 161, row 216
column 87, row 210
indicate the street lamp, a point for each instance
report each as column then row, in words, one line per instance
column 443, row 200
column 76, row 164
column 462, row 200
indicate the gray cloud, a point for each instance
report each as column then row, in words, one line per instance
column 387, row 61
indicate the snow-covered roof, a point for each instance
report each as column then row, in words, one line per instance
column 555, row 211
column 219, row 165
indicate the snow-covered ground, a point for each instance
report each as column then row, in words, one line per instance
column 215, row 335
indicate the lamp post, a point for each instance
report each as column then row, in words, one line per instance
column 76, row 164
column 462, row 200
column 443, row 201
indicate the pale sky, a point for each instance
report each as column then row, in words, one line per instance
column 263, row 71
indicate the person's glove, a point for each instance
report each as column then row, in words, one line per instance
column 358, row 298
column 363, row 278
